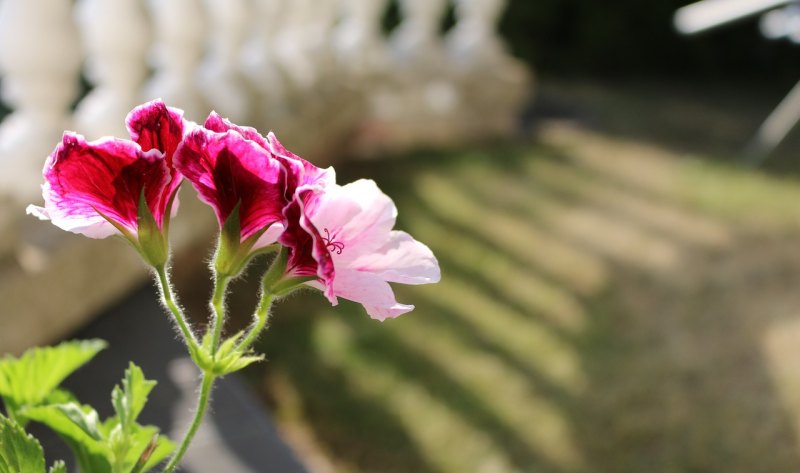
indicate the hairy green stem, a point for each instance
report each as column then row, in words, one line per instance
column 259, row 320
column 218, row 309
column 169, row 301
column 202, row 407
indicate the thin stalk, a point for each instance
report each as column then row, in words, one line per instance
column 202, row 406
column 260, row 320
column 218, row 309
column 169, row 301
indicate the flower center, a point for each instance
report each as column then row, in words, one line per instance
column 330, row 244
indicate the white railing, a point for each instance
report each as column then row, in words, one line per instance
column 315, row 71
column 320, row 73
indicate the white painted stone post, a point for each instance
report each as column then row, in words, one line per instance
column 116, row 37
column 259, row 63
column 418, row 107
column 417, row 41
column 493, row 83
column 220, row 77
column 180, row 33
column 302, row 46
column 40, row 60
column 358, row 41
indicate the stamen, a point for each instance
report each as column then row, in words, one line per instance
column 336, row 246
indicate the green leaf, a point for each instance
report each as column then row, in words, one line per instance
column 228, row 345
column 88, row 459
column 79, row 430
column 146, row 454
column 59, row 396
column 229, row 259
column 237, row 363
column 19, row 452
column 153, row 245
column 84, row 417
column 202, row 355
column 129, row 400
column 142, row 441
column 115, row 445
column 231, row 233
column 28, row 380
column 58, row 467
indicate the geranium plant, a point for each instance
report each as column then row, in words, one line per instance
column 338, row 239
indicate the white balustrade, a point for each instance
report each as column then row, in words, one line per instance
column 495, row 83
column 359, row 46
column 40, row 60
column 417, row 42
column 116, row 37
column 259, row 62
column 288, row 65
column 418, row 105
column 180, row 28
column 219, row 76
column 321, row 73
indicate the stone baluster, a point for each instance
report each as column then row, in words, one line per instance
column 180, row 40
column 219, row 77
column 417, row 42
column 417, row 107
column 260, row 66
column 115, row 36
column 474, row 42
column 494, row 84
column 302, row 45
column 358, row 41
column 257, row 55
column 40, row 59
column 303, row 51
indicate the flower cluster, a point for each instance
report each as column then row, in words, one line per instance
column 337, row 238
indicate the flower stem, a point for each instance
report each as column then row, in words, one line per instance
column 202, row 406
column 218, row 309
column 260, row 319
column 169, row 301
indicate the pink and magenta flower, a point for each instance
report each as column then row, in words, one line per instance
column 231, row 165
column 339, row 239
column 343, row 236
column 94, row 187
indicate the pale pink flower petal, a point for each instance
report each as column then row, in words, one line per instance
column 371, row 291
column 401, row 259
column 344, row 237
column 358, row 214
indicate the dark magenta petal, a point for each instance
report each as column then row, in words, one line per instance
column 226, row 169
column 308, row 252
column 299, row 171
column 216, row 123
column 153, row 125
column 106, row 176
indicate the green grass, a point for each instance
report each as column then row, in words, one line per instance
column 605, row 306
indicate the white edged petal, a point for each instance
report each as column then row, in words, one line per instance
column 38, row 212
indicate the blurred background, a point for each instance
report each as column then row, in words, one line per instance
column 615, row 221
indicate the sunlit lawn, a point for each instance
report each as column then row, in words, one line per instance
column 604, row 306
